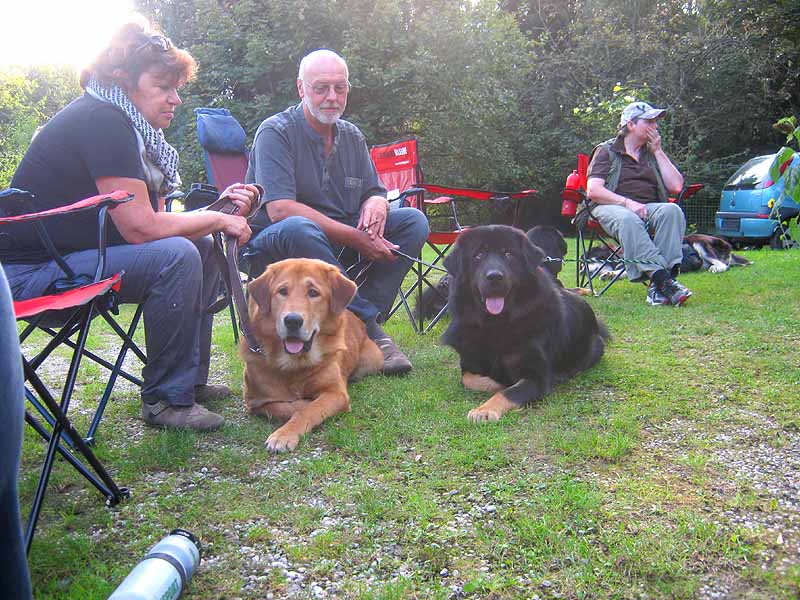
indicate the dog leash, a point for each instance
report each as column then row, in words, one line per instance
column 228, row 257
column 363, row 269
column 631, row 261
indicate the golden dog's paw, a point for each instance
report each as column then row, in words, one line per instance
column 282, row 441
column 482, row 414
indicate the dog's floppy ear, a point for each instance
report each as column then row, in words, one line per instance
column 342, row 290
column 533, row 255
column 258, row 289
column 453, row 262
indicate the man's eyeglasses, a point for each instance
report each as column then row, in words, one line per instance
column 159, row 42
column 339, row 88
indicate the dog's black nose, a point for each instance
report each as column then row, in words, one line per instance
column 494, row 275
column 293, row 321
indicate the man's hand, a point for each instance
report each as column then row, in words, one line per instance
column 373, row 216
column 243, row 195
column 636, row 207
column 653, row 141
column 376, row 248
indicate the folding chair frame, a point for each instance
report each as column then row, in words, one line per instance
column 399, row 169
column 82, row 301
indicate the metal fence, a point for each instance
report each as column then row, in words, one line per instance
column 699, row 211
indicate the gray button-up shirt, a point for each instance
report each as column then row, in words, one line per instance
column 288, row 159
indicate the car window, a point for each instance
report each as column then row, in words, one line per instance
column 751, row 174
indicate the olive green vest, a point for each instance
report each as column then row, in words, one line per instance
column 616, row 168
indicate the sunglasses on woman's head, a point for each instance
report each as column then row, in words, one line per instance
column 159, row 42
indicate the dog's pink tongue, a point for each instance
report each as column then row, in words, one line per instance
column 495, row 305
column 293, row 345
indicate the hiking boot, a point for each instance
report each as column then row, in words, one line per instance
column 205, row 393
column 656, row 298
column 394, row 361
column 194, row 417
column 675, row 292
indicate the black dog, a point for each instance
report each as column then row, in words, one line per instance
column 553, row 244
column 547, row 237
column 517, row 333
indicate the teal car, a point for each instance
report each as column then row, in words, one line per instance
column 744, row 216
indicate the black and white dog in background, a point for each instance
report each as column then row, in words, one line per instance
column 700, row 253
column 715, row 254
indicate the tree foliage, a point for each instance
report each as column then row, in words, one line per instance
column 28, row 98
column 502, row 94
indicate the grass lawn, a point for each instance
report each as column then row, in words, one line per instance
column 670, row 470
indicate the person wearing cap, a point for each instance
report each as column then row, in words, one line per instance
column 630, row 180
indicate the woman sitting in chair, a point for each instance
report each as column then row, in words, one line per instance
column 629, row 181
column 111, row 139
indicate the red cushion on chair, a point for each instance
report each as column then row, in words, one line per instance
column 68, row 299
column 443, row 238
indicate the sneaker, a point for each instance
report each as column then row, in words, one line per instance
column 675, row 292
column 194, row 417
column 205, row 393
column 656, row 298
column 394, row 361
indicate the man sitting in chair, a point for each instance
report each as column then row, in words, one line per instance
column 324, row 200
column 630, row 178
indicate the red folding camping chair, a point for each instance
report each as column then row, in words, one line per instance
column 66, row 315
column 400, row 172
column 598, row 254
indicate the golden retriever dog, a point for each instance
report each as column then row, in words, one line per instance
column 312, row 346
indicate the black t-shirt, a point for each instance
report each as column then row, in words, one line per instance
column 86, row 140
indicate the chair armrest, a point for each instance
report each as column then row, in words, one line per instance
column 474, row 194
column 439, row 200
column 101, row 201
column 404, row 196
column 571, row 195
column 690, row 191
column 169, row 199
column 200, row 195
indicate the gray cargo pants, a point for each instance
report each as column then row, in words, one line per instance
column 667, row 223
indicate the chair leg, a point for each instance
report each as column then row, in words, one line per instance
column 62, row 425
column 421, row 272
column 116, row 370
column 583, row 275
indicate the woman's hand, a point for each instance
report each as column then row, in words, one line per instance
column 236, row 226
column 243, row 195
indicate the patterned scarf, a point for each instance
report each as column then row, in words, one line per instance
column 159, row 152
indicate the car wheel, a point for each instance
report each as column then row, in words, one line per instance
column 782, row 240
